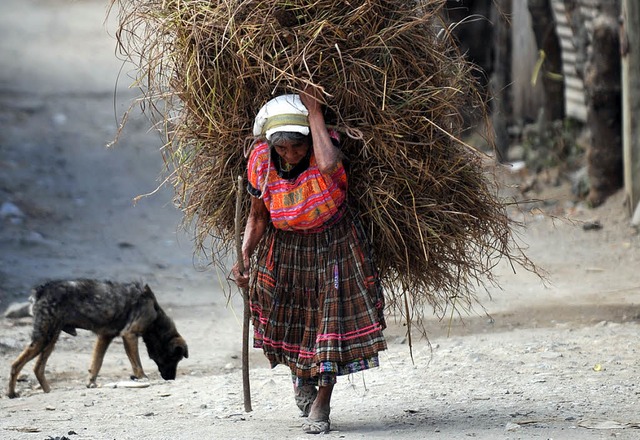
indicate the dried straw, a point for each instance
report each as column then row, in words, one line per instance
column 395, row 85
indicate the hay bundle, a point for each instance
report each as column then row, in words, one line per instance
column 395, row 85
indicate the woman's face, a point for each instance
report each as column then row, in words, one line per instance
column 291, row 152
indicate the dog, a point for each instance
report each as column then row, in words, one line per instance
column 108, row 309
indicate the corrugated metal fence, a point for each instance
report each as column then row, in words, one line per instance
column 574, row 96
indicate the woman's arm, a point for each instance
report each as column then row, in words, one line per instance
column 253, row 232
column 327, row 155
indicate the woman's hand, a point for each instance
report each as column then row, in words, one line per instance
column 241, row 278
column 311, row 98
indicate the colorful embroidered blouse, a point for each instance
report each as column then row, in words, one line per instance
column 305, row 201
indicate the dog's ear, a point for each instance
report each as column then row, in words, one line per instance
column 181, row 348
column 181, row 352
column 147, row 291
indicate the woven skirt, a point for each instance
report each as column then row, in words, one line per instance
column 316, row 301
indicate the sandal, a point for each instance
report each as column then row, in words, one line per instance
column 316, row 426
column 320, row 426
column 305, row 396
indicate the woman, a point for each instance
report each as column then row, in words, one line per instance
column 315, row 297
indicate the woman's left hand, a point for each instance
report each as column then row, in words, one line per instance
column 311, row 98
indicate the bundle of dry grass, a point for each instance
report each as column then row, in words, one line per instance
column 396, row 86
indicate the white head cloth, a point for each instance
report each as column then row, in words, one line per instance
column 282, row 113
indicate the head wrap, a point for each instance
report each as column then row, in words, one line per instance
column 282, row 113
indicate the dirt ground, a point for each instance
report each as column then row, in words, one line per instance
column 556, row 360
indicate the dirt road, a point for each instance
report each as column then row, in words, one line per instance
column 554, row 361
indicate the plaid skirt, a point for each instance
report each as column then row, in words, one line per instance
column 316, row 301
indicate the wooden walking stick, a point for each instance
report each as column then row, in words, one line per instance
column 246, row 388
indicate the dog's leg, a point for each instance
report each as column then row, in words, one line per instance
column 131, row 348
column 102, row 343
column 31, row 351
column 42, row 362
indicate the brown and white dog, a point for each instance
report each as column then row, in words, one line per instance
column 108, row 309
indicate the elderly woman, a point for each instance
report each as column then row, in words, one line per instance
column 316, row 302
